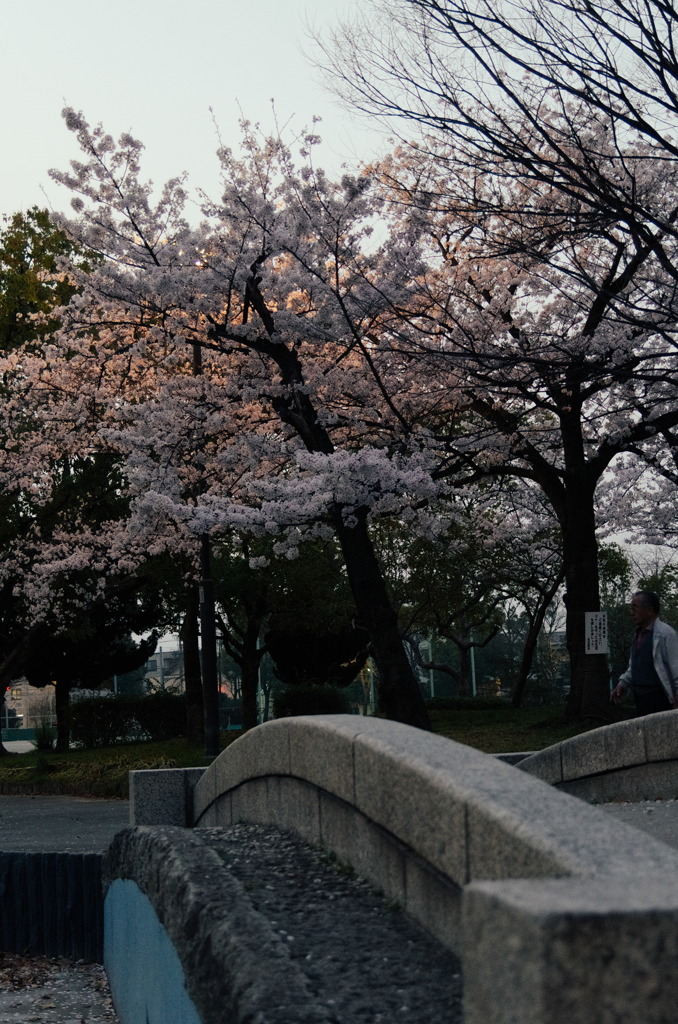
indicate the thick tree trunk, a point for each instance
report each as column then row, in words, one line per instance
column 195, row 721
column 399, row 696
column 464, row 684
column 589, row 687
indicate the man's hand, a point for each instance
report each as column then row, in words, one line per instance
column 618, row 694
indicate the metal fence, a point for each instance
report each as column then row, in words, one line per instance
column 18, row 734
column 51, row 904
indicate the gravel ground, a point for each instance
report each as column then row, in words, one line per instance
column 363, row 958
column 42, row 990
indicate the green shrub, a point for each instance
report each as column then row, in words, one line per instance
column 309, row 700
column 104, row 721
column 45, row 736
column 162, row 715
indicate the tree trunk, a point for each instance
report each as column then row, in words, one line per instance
column 61, row 706
column 464, row 686
column 249, row 667
column 531, row 642
column 267, row 704
column 243, row 646
column 589, row 687
column 526, row 660
column 195, row 722
column 3, row 750
column 398, row 693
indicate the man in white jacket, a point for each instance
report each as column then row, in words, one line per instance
column 652, row 675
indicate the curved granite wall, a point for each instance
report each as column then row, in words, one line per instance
column 539, row 893
column 183, row 944
column 635, row 760
column 561, row 914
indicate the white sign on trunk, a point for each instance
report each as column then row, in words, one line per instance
column 595, row 632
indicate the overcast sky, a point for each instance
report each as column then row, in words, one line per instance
column 155, row 67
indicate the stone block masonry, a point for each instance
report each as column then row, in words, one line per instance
column 559, row 913
column 250, row 924
column 629, row 761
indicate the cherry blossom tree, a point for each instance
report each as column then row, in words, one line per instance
column 549, row 130
column 552, row 124
column 555, row 379
column 60, row 493
column 345, row 375
column 290, row 427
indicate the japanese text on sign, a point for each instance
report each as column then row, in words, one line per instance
column 595, row 641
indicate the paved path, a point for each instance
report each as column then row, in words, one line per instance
column 59, row 824
column 18, row 746
column 41, row 990
column 658, row 817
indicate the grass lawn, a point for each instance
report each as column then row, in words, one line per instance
column 503, row 729
column 104, row 772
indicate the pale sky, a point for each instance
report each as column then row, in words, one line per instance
column 155, row 67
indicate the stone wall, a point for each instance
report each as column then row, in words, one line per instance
column 561, row 914
column 635, row 760
column 183, row 944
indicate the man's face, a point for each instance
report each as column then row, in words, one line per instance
column 641, row 613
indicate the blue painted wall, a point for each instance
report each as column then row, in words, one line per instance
column 144, row 971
